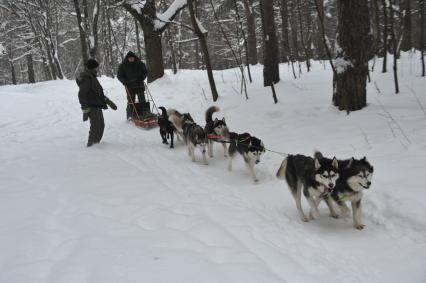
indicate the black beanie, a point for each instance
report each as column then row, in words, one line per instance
column 130, row 54
column 92, row 64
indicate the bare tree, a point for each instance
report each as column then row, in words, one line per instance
column 394, row 46
column 351, row 63
column 251, row 32
column 385, row 36
column 202, row 34
column 421, row 4
column 153, row 25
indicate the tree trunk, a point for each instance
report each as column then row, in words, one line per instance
column 204, row 49
column 422, row 34
column 13, row 73
column 251, row 32
column 138, row 41
column 385, row 36
column 270, row 51
column 295, row 45
column 173, row 53
column 83, row 42
column 285, row 47
column 152, row 36
column 94, row 50
column 321, row 49
column 109, row 42
column 350, row 92
column 407, row 42
column 376, row 26
column 394, row 47
column 30, row 65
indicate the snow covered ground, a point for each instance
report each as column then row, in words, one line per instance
column 133, row 210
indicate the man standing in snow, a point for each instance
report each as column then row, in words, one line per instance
column 131, row 73
column 92, row 100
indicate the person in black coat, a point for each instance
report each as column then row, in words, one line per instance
column 93, row 100
column 131, row 73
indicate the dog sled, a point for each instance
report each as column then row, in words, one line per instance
column 142, row 113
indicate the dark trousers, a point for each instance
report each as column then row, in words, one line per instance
column 132, row 92
column 97, row 126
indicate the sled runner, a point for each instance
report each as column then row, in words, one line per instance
column 142, row 113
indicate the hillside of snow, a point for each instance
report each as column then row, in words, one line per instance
column 132, row 210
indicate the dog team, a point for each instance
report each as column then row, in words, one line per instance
column 318, row 178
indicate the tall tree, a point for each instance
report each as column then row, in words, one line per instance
column 202, row 34
column 251, row 32
column 407, row 42
column 385, row 36
column 351, row 63
column 422, row 33
column 285, row 39
column 271, row 73
column 153, row 25
column 394, row 46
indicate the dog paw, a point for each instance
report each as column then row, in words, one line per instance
column 313, row 215
column 334, row 215
column 359, row 226
column 304, row 219
column 172, row 146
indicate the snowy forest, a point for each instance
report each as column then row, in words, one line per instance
column 231, row 141
column 49, row 40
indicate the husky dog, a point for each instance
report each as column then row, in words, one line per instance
column 194, row 136
column 166, row 127
column 355, row 177
column 249, row 147
column 314, row 177
column 178, row 120
column 216, row 130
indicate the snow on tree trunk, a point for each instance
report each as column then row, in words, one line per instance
column 153, row 25
column 349, row 83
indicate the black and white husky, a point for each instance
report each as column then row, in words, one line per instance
column 178, row 119
column 194, row 136
column 314, row 177
column 355, row 177
column 216, row 130
column 249, row 147
column 166, row 127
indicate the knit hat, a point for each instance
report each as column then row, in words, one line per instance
column 92, row 64
column 130, row 54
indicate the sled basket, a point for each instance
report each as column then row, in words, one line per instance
column 145, row 122
column 142, row 116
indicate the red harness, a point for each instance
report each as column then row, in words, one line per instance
column 214, row 137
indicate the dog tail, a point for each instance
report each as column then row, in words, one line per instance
column 283, row 168
column 163, row 111
column 209, row 113
column 172, row 111
column 318, row 155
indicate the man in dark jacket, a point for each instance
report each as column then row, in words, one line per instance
column 131, row 73
column 92, row 100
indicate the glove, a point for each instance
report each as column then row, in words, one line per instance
column 86, row 112
column 110, row 103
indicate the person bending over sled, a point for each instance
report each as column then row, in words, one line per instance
column 93, row 100
column 131, row 73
